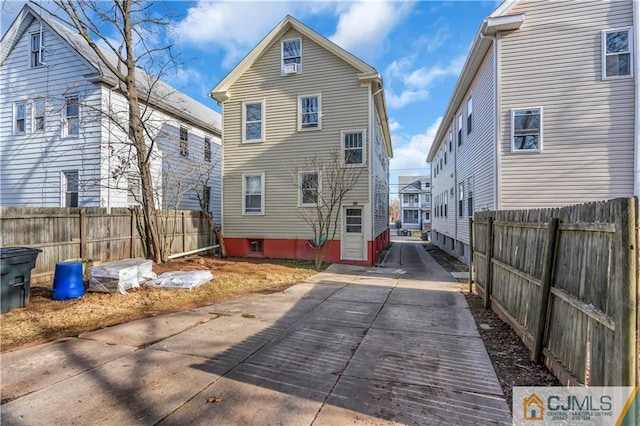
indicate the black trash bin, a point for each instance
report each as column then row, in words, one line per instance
column 16, row 264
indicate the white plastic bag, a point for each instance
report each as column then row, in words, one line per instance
column 120, row 275
column 185, row 280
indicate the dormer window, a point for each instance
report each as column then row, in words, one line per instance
column 291, row 56
column 37, row 51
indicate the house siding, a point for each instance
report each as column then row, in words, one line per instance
column 32, row 162
column 380, row 178
column 344, row 107
column 554, row 62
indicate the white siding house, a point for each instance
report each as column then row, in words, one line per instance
column 62, row 141
column 415, row 202
column 297, row 97
column 545, row 113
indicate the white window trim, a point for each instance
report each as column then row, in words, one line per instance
column 603, row 42
column 364, row 147
column 469, row 114
column 33, row 115
column 138, row 196
column 244, row 121
column 459, row 131
column 40, row 51
column 15, row 118
column 65, row 124
column 184, row 153
column 525, row 151
column 282, row 74
column 63, row 186
column 261, row 212
column 300, row 203
column 309, row 129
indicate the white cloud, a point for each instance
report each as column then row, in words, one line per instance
column 235, row 27
column 364, row 27
column 394, row 125
column 410, row 151
column 406, row 97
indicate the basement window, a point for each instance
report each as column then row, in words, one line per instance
column 256, row 246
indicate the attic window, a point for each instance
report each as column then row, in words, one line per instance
column 37, row 51
column 291, row 56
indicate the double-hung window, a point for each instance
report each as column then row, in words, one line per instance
column 37, row 52
column 134, row 190
column 353, row 148
column 253, row 194
column 72, row 116
column 291, row 56
column 446, row 202
column 70, row 188
column 184, row 141
column 253, row 121
column 20, row 118
column 616, row 53
column 39, row 108
column 207, row 149
column 450, row 141
column 470, row 197
column 309, row 184
column 309, row 112
column 459, row 129
column 526, row 129
column 460, row 198
column 469, row 115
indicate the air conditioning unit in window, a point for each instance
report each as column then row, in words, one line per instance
column 290, row 69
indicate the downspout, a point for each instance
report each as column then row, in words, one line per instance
column 636, row 79
column 496, row 130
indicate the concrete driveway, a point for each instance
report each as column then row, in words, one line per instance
column 353, row 345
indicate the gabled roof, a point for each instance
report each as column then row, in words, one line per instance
column 162, row 96
column 366, row 73
column 498, row 20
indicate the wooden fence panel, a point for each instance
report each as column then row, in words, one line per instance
column 91, row 233
column 582, row 284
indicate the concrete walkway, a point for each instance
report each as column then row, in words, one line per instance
column 353, row 345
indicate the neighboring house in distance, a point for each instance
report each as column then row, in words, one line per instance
column 544, row 114
column 58, row 147
column 415, row 202
column 297, row 96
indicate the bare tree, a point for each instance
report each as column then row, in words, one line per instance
column 323, row 183
column 123, row 27
column 394, row 209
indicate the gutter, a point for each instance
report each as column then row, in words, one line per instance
column 636, row 79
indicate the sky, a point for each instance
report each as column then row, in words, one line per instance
column 419, row 48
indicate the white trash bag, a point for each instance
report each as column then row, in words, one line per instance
column 121, row 275
column 184, row 280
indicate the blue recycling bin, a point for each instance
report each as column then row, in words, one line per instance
column 68, row 281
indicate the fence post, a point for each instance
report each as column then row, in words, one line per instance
column 545, row 288
column 184, row 235
column 470, row 255
column 489, row 250
column 132, row 248
column 83, row 233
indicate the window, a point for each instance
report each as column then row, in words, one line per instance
column 207, row 149
column 444, row 151
column 291, row 56
column 39, row 106
column 459, row 129
column 253, row 191
column 72, row 116
column 206, row 197
column 253, row 119
column 410, row 199
column 20, row 117
column 309, row 184
column 526, row 126
column 134, row 190
column 37, row 53
column 309, row 112
column 469, row 115
column 450, row 141
column 616, row 53
column 353, row 147
column 426, row 185
column 460, row 198
column 470, row 197
column 354, row 221
column 410, row 216
column 256, row 246
column 184, row 141
column 446, row 202
column 427, row 216
column 70, row 188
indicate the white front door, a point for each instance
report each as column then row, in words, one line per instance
column 353, row 234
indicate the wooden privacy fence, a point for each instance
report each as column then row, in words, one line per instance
column 91, row 233
column 566, row 281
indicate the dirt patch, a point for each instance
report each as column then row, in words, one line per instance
column 510, row 357
column 45, row 320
